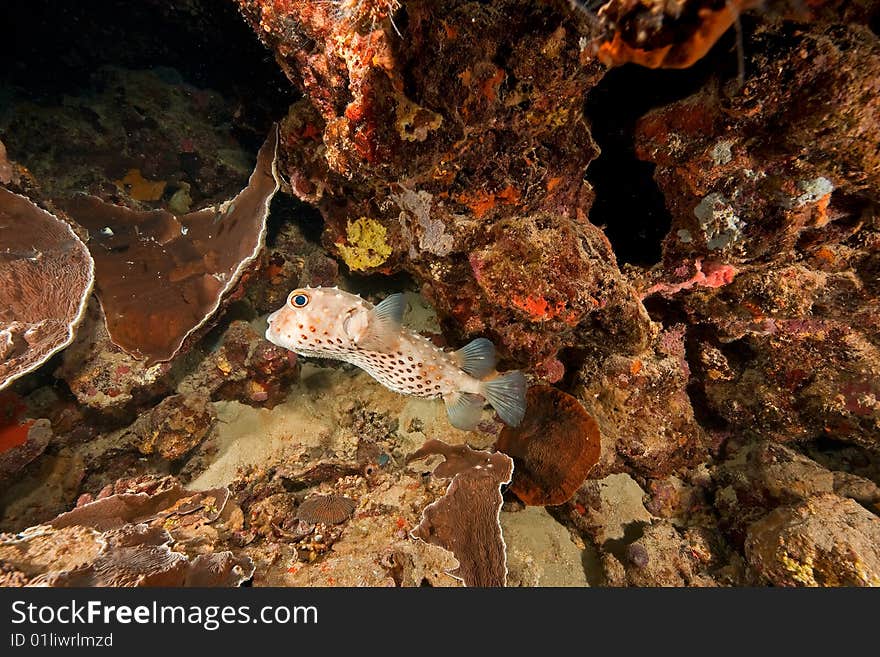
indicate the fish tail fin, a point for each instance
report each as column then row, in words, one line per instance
column 506, row 393
column 464, row 410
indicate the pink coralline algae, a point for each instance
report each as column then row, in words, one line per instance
column 713, row 276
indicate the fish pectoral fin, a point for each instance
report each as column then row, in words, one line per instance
column 464, row 410
column 383, row 324
column 477, row 357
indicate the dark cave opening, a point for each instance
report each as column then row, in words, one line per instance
column 53, row 49
column 628, row 204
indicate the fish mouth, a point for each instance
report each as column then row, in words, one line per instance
column 269, row 333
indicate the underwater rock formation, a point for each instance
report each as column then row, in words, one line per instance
column 823, row 541
column 46, row 277
column 246, row 367
column 763, row 476
column 21, row 441
column 144, row 138
column 645, row 415
column 289, row 262
column 744, row 175
column 456, row 153
column 175, row 425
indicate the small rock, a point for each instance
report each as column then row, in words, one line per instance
column 610, row 509
column 823, row 541
column 176, row 425
column 540, row 551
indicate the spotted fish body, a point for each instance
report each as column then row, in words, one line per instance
column 326, row 322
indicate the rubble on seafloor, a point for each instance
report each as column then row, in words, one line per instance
column 702, row 413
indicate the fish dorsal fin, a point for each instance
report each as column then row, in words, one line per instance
column 383, row 324
column 464, row 410
column 477, row 357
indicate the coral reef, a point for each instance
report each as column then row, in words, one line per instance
column 744, row 176
column 147, row 533
column 476, row 186
column 710, row 324
column 773, row 231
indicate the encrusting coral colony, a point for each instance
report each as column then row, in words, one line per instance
column 703, row 406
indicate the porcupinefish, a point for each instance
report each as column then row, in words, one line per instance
column 325, row 322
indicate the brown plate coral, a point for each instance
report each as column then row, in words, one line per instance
column 46, row 276
column 465, row 520
column 161, row 277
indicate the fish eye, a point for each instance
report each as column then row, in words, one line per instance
column 299, row 299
